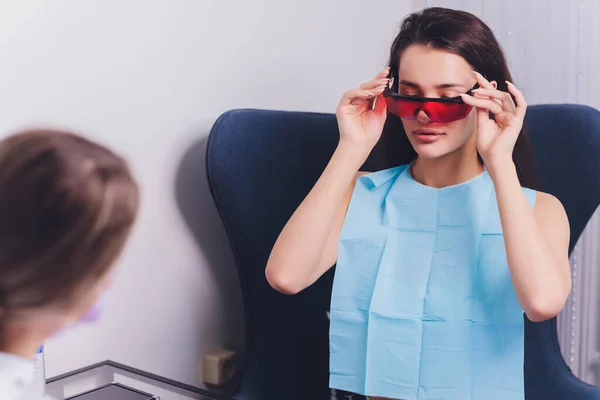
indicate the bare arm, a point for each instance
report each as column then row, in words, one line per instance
column 307, row 245
column 537, row 243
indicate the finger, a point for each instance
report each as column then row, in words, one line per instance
column 483, row 116
column 383, row 73
column 480, row 96
column 484, row 83
column 360, row 94
column 380, row 107
column 519, row 98
column 491, row 105
column 502, row 97
column 375, row 83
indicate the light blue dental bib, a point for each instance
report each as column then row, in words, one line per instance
column 423, row 305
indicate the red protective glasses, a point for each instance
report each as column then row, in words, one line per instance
column 438, row 109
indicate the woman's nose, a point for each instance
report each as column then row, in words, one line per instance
column 423, row 118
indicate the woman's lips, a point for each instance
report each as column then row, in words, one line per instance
column 428, row 135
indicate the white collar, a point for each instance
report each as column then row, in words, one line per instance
column 17, row 374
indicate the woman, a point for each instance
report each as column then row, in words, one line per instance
column 66, row 210
column 438, row 257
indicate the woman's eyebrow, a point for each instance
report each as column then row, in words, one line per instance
column 441, row 86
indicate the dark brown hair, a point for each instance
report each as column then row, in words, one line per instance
column 67, row 205
column 464, row 34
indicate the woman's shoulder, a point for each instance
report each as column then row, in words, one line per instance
column 547, row 202
column 552, row 220
column 549, row 210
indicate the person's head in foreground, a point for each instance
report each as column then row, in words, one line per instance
column 67, row 206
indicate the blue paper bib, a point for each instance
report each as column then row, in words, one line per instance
column 423, row 305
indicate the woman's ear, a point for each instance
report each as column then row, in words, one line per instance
column 494, row 84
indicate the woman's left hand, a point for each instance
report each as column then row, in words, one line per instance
column 496, row 137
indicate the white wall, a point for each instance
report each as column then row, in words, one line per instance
column 149, row 77
column 551, row 45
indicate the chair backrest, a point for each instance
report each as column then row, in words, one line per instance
column 260, row 166
column 566, row 145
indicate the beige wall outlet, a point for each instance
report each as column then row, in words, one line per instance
column 218, row 367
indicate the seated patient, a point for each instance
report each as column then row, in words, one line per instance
column 437, row 258
column 67, row 206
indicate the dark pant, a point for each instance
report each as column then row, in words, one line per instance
column 342, row 395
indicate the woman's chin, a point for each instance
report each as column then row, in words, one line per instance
column 430, row 151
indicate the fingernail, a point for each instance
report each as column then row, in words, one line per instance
column 380, row 87
column 477, row 73
column 509, row 83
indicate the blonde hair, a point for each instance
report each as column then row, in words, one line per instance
column 67, row 205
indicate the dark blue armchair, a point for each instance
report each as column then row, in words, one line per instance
column 261, row 164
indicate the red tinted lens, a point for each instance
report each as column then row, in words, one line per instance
column 446, row 112
column 437, row 112
column 403, row 108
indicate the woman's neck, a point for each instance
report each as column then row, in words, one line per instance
column 445, row 171
column 20, row 339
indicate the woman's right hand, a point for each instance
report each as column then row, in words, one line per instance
column 360, row 123
column 308, row 244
